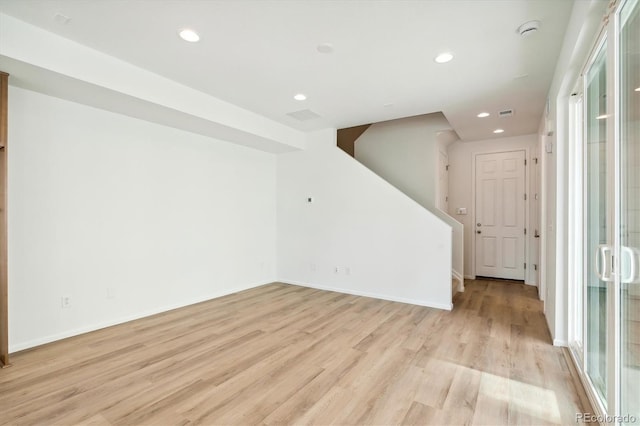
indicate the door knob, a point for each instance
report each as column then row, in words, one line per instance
column 478, row 232
column 479, row 224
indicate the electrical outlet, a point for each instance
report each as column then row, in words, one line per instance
column 336, row 269
column 66, row 301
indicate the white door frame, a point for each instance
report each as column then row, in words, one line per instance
column 527, row 183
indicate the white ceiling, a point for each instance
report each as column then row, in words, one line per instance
column 258, row 53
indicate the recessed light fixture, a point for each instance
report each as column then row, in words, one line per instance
column 189, row 35
column 483, row 115
column 498, row 131
column 443, row 58
column 637, row 89
column 300, row 97
column 602, row 116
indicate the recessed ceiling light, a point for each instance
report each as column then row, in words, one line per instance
column 189, row 35
column 602, row 116
column 325, row 48
column 483, row 115
column 498, row 131
column 443, row 58
column 300, row 97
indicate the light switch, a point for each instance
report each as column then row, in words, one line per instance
column 461, row 210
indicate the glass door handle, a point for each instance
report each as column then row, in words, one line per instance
column 629, row 269
column 603, row 263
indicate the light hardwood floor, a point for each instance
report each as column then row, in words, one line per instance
column 282, row 354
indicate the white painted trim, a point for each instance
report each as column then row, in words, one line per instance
column 97, row 326
column 542, row 261
column 458, row 277
column 446, row 307
column 596, row 405
column 469, row 277
column 561, row 343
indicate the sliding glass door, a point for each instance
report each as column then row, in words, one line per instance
column 610, row 357
column 629, row 202
column 597, row 272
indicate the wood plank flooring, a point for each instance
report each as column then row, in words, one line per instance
column 282, row 354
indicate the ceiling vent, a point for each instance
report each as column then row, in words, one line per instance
column 528, row 28
column 505, row 113
column 303, row 115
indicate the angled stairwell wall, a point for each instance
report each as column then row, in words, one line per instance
column 341, row 227
column 405, row 153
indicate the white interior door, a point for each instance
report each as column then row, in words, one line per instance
column 500, row 215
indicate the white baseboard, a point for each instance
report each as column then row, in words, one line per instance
column 459, row 279
column 561, row 343
column 15, row 347
column 446, row 307
column 469, row 277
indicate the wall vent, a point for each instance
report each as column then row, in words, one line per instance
column 505, row 113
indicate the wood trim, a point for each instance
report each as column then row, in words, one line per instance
column 4, row 290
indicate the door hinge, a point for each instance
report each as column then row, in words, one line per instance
column 536, row 160
column 525, row 266
column 525, row 231
column 525, row 161
column 535, row 267
column 446, row 199
column 446, row 167
column 525, row 197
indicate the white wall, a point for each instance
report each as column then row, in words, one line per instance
column 405, row 153
column 126, row 217
column 384, row 244
column 580, row 37
column 461, row 183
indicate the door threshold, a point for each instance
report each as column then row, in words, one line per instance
column 505, row 280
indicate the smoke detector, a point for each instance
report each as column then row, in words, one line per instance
column 528, row 28
column 505, row 113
